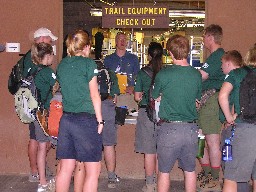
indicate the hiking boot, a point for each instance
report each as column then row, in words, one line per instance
column 200, row 178
column 208, row 184
column 149, row 188
column 33, row 178
column 112, row 182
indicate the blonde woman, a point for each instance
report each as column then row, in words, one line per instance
column 81, row 125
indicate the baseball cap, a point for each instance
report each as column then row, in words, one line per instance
column 43, row 32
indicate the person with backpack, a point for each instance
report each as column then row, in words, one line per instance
column 177, row 135
column 231, row 60
column 81, row 125
column 40, row 35
column 145, row 133
column 238, row 90
column 42, row 56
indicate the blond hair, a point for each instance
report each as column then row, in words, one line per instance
column 250, row 57
column 76, row 42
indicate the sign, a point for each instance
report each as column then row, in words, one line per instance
column 135, row 17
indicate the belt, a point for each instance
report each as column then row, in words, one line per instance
column 110, row 97
column 143, row 106
column 168, row 121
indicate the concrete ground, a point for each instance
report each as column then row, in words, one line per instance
column 20, row 183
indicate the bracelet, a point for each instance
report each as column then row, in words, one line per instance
column 102, row 122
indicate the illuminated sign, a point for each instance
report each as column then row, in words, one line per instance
column 135, row 17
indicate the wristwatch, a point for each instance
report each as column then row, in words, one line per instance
column 102, row 122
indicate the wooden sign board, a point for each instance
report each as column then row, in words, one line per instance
column 135, row 17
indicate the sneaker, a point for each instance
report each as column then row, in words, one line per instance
column 43, row 188
column 112, row 183
column 149, row 188
column 208, row 184
column 33, row 178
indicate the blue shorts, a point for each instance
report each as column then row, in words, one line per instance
column 145, row 134
column 109, row 134
column 177, row 141
column 243, row 164
column 78, row 138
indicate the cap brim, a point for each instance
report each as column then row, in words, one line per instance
column 54, row 38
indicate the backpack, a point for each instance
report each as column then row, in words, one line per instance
column 16, row 75
column 55, row 114
column 104, row 81
column 247, row 97
column 26, row 99
column 152, row 104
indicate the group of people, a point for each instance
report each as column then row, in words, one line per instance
column 195, row 101
column 88, row 127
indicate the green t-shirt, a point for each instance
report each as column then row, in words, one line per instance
column 179, row 86
column 143, row 82
column 44, row 80
column 74, row 74
column 114, row 88
column 235, row 77
column 212, row 66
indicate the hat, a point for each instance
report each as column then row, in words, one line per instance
column 43, row 32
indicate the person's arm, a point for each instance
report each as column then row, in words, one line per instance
column 224, row 102
column 96, row 101
column 205, row 75
column 138, row 96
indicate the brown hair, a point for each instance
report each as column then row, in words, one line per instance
column 77, row 41
column 250, row 57
column 39, row 51
column 233, row 56
column 178, row 45
column 155, row 50
column 215, row 31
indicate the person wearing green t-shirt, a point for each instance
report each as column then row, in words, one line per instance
column 231, row 60
column 145, row 134
column 81, row 125
column 212, row 77
column 42, row 56
column 242, row 167
column 40, row 35
column 177, row 136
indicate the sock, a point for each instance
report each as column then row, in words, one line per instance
column 111, row 175
column 206, row 168
column 215, row 171
column 150, row 179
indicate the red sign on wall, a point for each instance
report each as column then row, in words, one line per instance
column 135, row 17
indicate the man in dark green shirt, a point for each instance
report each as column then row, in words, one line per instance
column 213, row 78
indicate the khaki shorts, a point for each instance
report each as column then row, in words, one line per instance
column 208, row 119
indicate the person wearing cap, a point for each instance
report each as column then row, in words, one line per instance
column 46, row 36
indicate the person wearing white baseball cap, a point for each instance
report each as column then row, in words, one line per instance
column 46, row 36
column 44, row 32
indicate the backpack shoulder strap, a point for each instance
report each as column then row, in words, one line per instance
column 148, row 71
